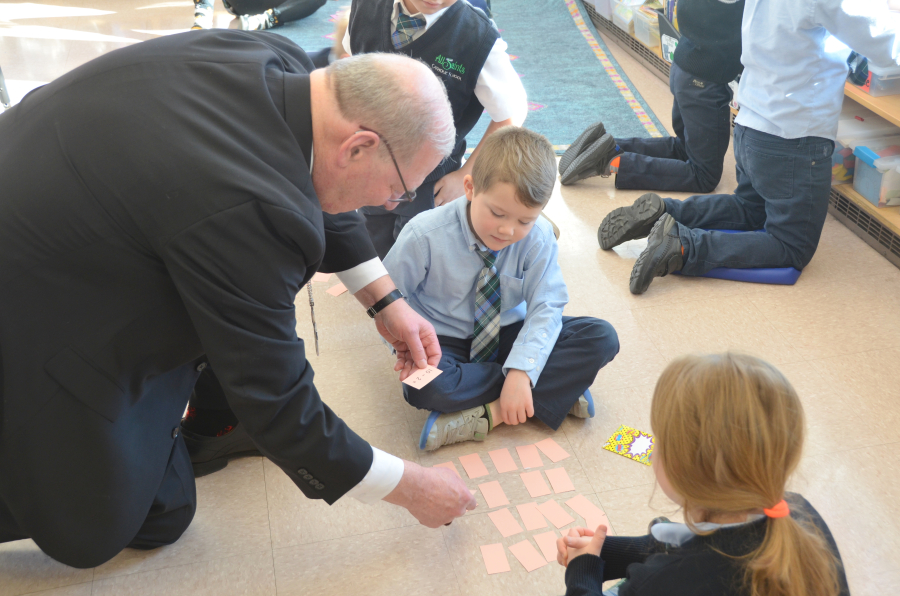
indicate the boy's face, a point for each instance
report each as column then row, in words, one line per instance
column 427, row 6
column 498, row 217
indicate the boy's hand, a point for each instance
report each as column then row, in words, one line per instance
column 580, row 541
column 449, row 188
column 516, row 403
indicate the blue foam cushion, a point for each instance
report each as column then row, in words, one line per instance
column 784, row 276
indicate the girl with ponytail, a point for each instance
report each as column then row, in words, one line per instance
column 728, row 432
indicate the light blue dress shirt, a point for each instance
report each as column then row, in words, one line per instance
column 794, row 70
column 435, row 265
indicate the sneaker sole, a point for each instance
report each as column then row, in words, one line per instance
column 426, row 429
column 641, row 276
column 632, row 222
column 585, row 165
column 590, row 134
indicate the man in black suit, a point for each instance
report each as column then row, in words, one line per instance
column 160, row 208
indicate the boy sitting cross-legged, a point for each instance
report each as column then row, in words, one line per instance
column 484, row 272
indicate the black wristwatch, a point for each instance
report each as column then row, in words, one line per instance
column 382, row 304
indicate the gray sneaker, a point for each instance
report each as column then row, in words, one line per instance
column 456, row 427
column 632, row 222
column 584, row 140
column 584, row 407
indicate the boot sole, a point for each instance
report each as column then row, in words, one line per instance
column 632, row 222
column 585, row 165
column 641, row 276
column 214, row 465
column 590, row 134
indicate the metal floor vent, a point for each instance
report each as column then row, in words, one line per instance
column 656, row 64
column 878, row 236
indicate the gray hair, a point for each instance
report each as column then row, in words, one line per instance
column 393, row 95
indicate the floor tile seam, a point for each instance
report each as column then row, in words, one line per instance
column 262, row 462
column 91, row 581
column 180, row 564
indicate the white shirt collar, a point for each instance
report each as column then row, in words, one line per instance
column 429, row 18
column 677, row 534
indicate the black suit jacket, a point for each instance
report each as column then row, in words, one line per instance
column 156, row 205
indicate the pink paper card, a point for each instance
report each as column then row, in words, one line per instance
column 559, row 480
column 493, row 494
column 547, row 543
column 473, row 465
column 494, row 558
column 531, row 516
column 422, row 376
column 593, row 515
column 529, row 456
column 555, row 513
column 449, row 465
column 337, row 290
column 527, row 556
column 322, row 277
column 503, row 461
column 505, row 522
column 552, row 450
column 535, row 484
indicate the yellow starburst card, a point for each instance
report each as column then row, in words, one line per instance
column 631, row 443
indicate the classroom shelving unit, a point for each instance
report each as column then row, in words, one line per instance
column 877, row 226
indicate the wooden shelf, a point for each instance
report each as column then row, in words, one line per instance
column 888, row 107
column 889, row 216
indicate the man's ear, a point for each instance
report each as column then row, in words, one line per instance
column 469, row 187
column 357, row 146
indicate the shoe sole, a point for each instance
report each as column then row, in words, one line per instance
column 585, row 165
column 202, row 469
column 632, row 222
column 641, row 276
column 590, row 134
column 426, row 429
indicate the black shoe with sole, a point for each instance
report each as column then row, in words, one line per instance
column 632, row 222
column 211, row 454
column 585, row 139
column 593, row 161
column 661, row 257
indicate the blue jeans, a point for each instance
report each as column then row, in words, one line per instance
column 783, row 187
column 585, row 345
column 693, row 159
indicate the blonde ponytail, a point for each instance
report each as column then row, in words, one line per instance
column 728, row 433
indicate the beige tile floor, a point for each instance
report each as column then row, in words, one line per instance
column 836, row 335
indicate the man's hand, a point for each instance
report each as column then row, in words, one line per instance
column 414, row 338
column 449, row 188
column 580, row 541
column 435, row 496
column 516, row 403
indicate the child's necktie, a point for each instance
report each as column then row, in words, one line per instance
column 406, row 29
column 486, row 343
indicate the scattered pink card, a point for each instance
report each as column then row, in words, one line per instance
column 535, row 484
column 493, row 494
column 494, row 558
column 503, row 461
column 505, row 522
column 322, row 277
column 449, row 465
column 527, row 556
column 559, row 480
column 547, row 543
column 552, row 450
column 473, row 465
column 531, row 516
column 593, row 515
column 555, row 513
column 422, row 376
column 337, row 290
column 529, row 456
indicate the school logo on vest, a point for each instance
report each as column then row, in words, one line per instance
column 448, row 66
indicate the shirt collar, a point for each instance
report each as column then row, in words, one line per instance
column 298, row 112
column 676, row 534
column 429, row 18
column 472, row 241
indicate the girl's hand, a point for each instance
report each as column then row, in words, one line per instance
column 580, row 541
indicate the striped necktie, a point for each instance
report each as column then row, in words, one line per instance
column 407, row 27
column 486, row 343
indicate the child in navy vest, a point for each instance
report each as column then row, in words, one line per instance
column 462, row 46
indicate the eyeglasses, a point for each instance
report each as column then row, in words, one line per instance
column 408, row 196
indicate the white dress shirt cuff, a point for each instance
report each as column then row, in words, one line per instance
column 382, row 478
column 362, row 275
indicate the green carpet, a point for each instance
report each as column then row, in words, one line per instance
column 571, row 78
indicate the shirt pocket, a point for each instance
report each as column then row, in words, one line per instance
column 512, row 292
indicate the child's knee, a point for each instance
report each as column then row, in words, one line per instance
column 433, row 396
column 605, row 340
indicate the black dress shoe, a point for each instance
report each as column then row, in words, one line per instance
column 585, row 139
column 593, row 161
column 632, row 222
column 211, row 454
column 661, row 257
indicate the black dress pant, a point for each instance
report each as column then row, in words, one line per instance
column 292, row 10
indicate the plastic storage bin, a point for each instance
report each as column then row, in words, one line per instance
column 604, row 7
column 646, row 28
column 855, row 126
column 877, row 175
column 623, row 14
column 882, row 81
